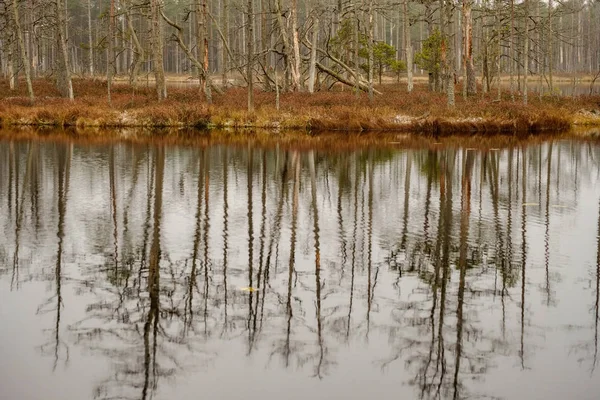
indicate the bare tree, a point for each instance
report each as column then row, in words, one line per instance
column 22, row 48
column 64, row 82
column 408, row 46
column 157, row 49
column 526, row 51
column 250, row 53
column 469, row 83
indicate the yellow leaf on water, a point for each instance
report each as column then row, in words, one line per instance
column 249, row 289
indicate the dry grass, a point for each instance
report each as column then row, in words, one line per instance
column 396, row 110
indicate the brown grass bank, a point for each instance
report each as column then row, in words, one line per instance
column 396, row 110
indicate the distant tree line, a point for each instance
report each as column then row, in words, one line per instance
column 293, row 45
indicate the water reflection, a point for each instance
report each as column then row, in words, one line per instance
column 172, row 270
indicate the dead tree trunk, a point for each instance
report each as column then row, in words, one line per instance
column 90, row 39
column 526, row 52
column 225, row 37
column 469, row 83
column 250, row 54
column 138, row 50
column 408, row 47
column 448, row 52
column 157, row 49
column 287, row 56
column 202, row 42
column 110, row 65
column 64, row 82
column 178, row 37
column 370, row 39
column 21, row 42
column 313, row 53
column 296, row 71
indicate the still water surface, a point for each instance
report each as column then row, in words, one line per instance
column 151, row 271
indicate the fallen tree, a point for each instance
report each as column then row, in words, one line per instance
column 362, row 86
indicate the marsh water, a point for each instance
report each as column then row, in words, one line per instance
column 164, row 271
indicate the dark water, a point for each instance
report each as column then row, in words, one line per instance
column 382, row 273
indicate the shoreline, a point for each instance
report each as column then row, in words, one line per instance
column 299, row 140
column 420, row 112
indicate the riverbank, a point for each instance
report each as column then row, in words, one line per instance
column 395, row 110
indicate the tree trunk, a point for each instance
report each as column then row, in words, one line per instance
column 361, row 86
column 356, row 45
column 511, row 52
column 193, row 59
column 469, row 82
column 433, row 78
column 498, row 50
column 250, row 54
column 110, row 62
column 90, row 40
column 157, row 49
column 32, row 41
column 296, row 71
column 408, row 48
column 286, row 42
column 550, row 43
column 265, row 43
column 225, row 38
column 526, row 53
column 448, row 53
column 138, row 50
column 202, row 41
column 24, row 57
column 8, row 49
column 370, row 40
column 64, row 83
column 313, row 53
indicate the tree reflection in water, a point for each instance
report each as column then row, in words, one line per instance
column 433, row 255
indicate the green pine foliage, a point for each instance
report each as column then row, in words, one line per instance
column 430, row 57
column 384, row 54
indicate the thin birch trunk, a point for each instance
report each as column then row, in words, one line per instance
column 296, row 71
column 90, row 39
column 201, row 40
column 370, row 50
column 356, row 45
column 550, row 44
column 511, row 50
column 469, row 82
column 408, row 48
column 225, row 38
column 448, row 57
column 313, row 54
column 250, row 54
column 526, row 53
column 110, row 64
